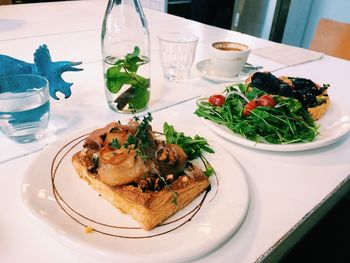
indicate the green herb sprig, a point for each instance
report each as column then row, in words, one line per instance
column 139, row 141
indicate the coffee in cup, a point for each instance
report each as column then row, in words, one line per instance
column 228, row 58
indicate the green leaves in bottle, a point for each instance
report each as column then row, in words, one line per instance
column 124, row 72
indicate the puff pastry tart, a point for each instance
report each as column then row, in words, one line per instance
column 148, row 189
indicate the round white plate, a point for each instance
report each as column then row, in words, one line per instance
column 57, row 198
column 207, row 71
column 334, row 125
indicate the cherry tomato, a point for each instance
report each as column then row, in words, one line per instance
column 266, row 101
column 251, row 105
column 217, row 100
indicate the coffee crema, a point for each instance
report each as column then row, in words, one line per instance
column 229, row 49
column 229, row 46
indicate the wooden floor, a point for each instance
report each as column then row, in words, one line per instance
column 329, row 241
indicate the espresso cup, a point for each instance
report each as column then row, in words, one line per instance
column 228, row 58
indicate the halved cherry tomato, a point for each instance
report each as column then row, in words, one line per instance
column 251, row 105
column 217, row 100
column 266, row 101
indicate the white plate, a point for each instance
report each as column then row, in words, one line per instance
column 334, row 125
column 192, row 232
column 206, row 69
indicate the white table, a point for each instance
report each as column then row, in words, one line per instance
column 290, row 192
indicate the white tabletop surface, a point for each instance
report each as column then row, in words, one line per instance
column 284, row 187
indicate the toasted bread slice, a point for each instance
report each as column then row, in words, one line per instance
column 148, row 208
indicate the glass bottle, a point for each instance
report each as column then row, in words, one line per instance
column 126, row 56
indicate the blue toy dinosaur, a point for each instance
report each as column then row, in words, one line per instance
column 43, row 66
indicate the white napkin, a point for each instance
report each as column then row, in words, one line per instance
column 288, row 55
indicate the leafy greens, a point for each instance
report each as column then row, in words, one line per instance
column 193, row 147
column 287, row 122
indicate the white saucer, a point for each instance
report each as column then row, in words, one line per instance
column 206, row 69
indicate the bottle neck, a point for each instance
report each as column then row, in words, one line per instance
column 125, row 2
column 135, row 4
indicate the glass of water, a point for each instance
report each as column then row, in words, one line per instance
column 24, row 107
column 177, row 52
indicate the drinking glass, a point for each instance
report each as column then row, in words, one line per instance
column 24, row 107
column 177, row 52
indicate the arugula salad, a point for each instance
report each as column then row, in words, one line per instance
column 259, row 116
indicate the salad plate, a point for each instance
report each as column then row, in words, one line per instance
column 333, row 126
column 207, row 71
column 65, row 206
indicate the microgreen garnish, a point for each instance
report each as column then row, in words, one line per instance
column 209, row 170
column 124, row 72
column 93, row 168
column 115, row 144
column 140, row 140
column 174, row 194
column 193, row 147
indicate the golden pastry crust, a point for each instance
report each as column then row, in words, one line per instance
column 148, row 208
column 318, row 111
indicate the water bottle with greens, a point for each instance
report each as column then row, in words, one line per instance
column 126, row 56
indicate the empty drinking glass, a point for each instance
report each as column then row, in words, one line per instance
column 24, row 107
column 177, row 52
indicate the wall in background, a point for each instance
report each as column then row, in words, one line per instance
column 333, row 9
column 268, row 19
column 296, row 22
column 304, row 16
column 158, row 5
column 254, row 17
